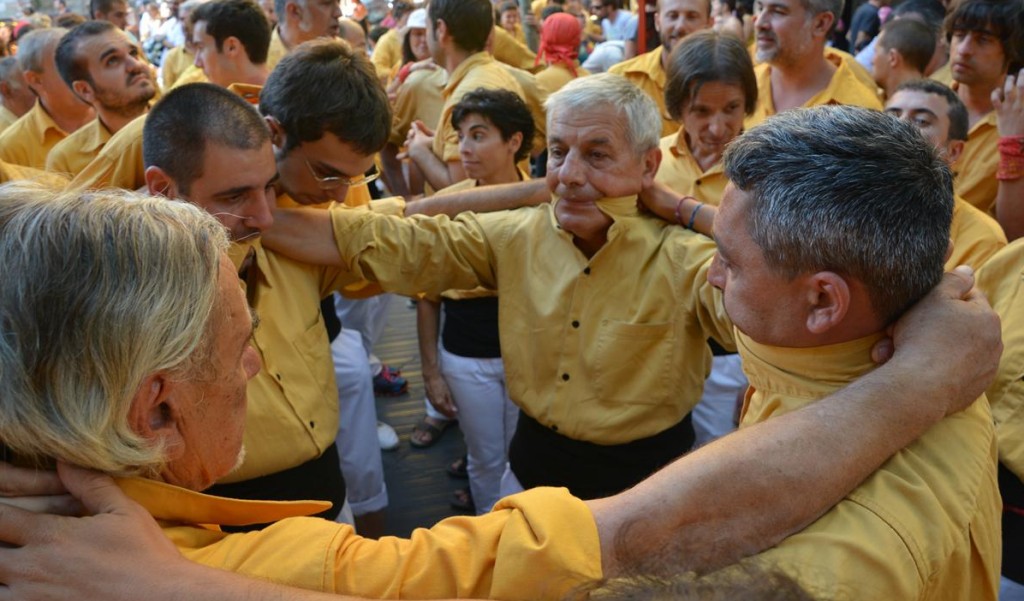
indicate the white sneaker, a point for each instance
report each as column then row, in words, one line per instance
column 387, row 437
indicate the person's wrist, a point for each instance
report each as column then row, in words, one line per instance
column 1011, row 158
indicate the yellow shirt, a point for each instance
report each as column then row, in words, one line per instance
column 419, row 97
column 535, row 95
column 976, row 236
column 11, row 173
column 277, row 49
column 585, row 353
column 191, row 74
column 647, row 73
column 477, row 71
column 292, row 415
column 29, row 139
column 509, row 51
column 1001, row 279
column 7, row 118
column 976, row 168
column 925, row 526
column 943, row 74
column 863, row 75
column 683, row 175
column 387, row 53
column 177, row 61
column 119, row 164
column 556, row 75
column 844, row 88
column 539, row 544
column 74, row 152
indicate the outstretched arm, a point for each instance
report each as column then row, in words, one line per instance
column 1008, row 101
column 749, row 490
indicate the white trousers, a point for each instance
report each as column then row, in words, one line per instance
column 713, row 415
column 368, row 316
column 487, row 418
column 358, row 447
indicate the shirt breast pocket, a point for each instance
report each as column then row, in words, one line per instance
column 633, row 362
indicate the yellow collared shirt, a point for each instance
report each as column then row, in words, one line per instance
column 477, row 71
column 419, row 97
column 292, row 415
column 925, row 526
column 976, row 236
column 845, row 87
column 191, row 74
column 74, row 152
column 976, row 168
column 535, row 95
column 177, row 61
column 29, row 139
column 1001, row 279
column 510, row 51
column 7, row 118
column 11, row 173
column 119, row 164
column 387, row 53
column 556, row 75
column 647, row 73
column 540, row 544
column 608, row 349
column 683, row 175
column 277, row 49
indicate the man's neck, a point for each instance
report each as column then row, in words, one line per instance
column 794, row 84
column 898, row 77
column 254, row 75
column 15, row 107
column 977, row 99
column 71, row 118
column 453, row 57
column 289, row 34
column 114, row 121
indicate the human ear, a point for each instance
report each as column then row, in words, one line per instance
column 828, row 301
column 153, row 414
column 159, row 183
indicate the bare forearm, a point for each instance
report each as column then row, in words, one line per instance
column 434, row 170
column 749, row 490
column 393, row 176
column 428, row 315
column 670, row 206
column 1010, row 207
column 483, row 200
column 305, row 235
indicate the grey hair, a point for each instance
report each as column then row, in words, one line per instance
column 102, row 290
column 816, row 7
column 608, row 92
column 9, row 72
column 279, row 8
column 849, row 190
column 33, row 47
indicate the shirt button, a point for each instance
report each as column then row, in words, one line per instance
column 312, row 424
column 586, row 271
column 565, row 377
column 554, row 428
column 575, row 324
column 698, row 182
column 278, row 376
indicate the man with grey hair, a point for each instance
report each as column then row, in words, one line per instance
column 59, row 111
column 815, row 261
column 299, row 21
column 795, row 70
column 605, row 378
column 16, row 98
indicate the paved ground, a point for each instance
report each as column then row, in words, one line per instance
column 418, row 486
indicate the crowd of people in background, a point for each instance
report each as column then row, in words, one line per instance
column 562, row 189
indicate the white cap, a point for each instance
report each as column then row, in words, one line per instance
column 417, row 19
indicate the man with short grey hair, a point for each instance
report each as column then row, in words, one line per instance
column 815, row 260
column 795, row 70
column 16, row 98
column 59, row 111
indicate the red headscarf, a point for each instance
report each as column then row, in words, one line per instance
column 560, row 41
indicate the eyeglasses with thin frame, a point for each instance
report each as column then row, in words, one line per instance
column 336, row 181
